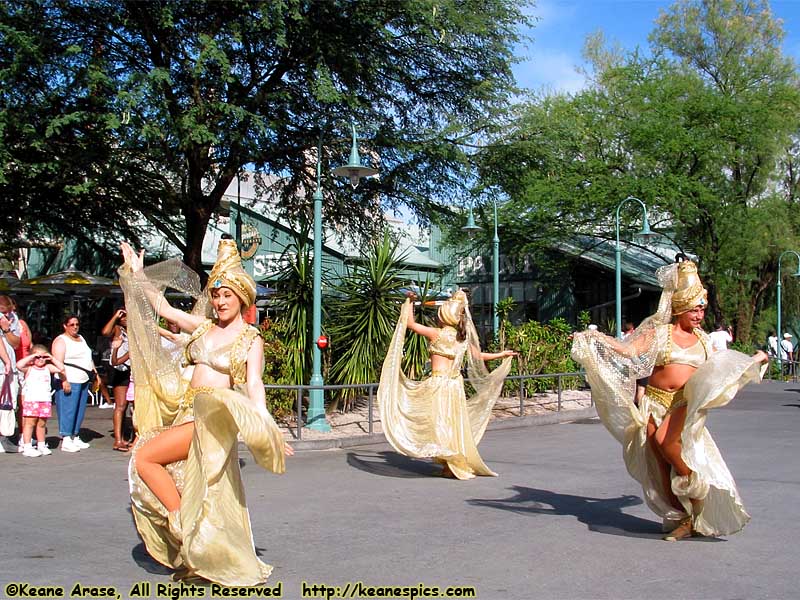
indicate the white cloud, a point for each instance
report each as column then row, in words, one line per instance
column 551, row 12
column 550, row 70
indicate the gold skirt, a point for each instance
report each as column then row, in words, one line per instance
column 216, row 539
column 434, row 418
column 712, row 385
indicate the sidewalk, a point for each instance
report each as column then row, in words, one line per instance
column 352, row 428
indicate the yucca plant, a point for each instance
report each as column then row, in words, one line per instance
column 363, row 320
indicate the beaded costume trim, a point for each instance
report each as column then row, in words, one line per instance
column 669, row 400
column 191, row 394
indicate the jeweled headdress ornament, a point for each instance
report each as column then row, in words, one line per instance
column 450, row 312
column 228, row 272
column 690, row 291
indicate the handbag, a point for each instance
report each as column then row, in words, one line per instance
column 6, row 401
column 8, row 422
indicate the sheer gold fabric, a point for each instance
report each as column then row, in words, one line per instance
column 433, row 418
column 215, row 540
column 612, row 368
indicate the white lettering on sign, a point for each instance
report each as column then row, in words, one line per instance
column 270, row 264
column 509, row 265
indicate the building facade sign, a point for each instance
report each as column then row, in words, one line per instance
column 482, row 265
column 251, row 241
column 268, row 265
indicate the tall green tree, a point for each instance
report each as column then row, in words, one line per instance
column 113, row 109
column 699, row 129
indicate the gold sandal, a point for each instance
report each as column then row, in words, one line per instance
column 682, row 531
column 446, row 472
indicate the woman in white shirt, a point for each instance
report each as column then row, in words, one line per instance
column 71, row 349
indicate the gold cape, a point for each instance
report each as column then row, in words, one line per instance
column 612, row 368
column 433, row 418
column 216, row 539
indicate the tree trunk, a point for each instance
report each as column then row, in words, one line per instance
column 197, row 217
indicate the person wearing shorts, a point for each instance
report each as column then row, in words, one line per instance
column 38, row 368
column 120, row 384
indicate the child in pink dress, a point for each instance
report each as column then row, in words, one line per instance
column 38, row 367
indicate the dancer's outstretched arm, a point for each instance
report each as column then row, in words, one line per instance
column 429, row 332
column 187, row 322
column 496, row 355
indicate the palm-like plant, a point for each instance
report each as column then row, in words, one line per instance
column 363, row 319
column 293, row 301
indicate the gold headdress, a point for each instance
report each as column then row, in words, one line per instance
column 228, row 272
column 451, row 311
column 690, row 291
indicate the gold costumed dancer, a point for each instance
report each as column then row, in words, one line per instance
column 186, row 489
column 433, row 418
column 666, row 446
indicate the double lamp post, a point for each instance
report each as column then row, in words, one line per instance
column 471, row 228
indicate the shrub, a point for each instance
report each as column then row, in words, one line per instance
column 543, row 348
column 278, row 368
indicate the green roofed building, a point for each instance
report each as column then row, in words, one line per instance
column 582, row 280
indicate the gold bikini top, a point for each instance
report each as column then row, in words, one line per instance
column 669, row 353
column 446, row 344
column 231, row 359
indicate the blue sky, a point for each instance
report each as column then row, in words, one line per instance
column 550, row 58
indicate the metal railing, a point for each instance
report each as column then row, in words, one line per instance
column 559, row 386
column 790, row 370
column 370, row 388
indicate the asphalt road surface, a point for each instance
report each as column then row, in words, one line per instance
column 562, row 520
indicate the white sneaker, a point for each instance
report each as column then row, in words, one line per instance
column 20, row 445
column 30, row 451
column 105, row 405
column 67, row 445
column 80, row 443
column 43, row 449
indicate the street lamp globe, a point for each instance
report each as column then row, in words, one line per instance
column 354, row 170
column 471, row 228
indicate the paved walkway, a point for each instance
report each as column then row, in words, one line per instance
column 563, row 519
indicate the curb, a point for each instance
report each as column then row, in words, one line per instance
column 564, row 416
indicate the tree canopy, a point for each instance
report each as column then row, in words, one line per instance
column 702, row 128
column 120, row 115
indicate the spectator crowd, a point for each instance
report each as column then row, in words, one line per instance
column 34, row 376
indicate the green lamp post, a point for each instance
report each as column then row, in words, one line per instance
column 471, row 228
column 354, row 170
column 238, row 212
column 779, row 334
column 618, row 258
